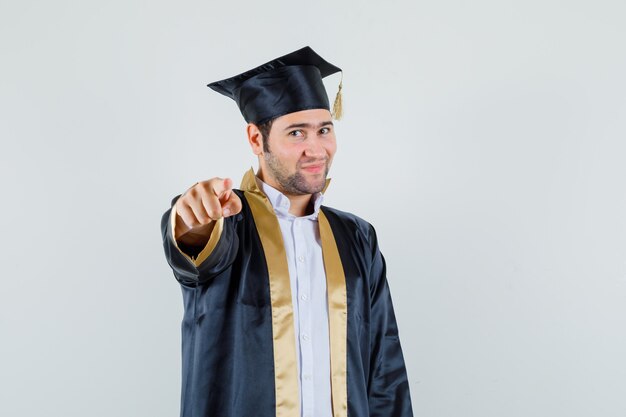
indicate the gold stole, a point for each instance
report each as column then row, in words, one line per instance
column 285, row 360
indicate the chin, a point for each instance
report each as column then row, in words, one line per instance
column 319, row 186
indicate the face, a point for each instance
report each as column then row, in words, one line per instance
column 301, row 149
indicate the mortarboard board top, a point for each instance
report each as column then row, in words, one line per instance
column 287, row 84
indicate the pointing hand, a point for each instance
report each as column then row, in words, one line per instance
column 204, row 203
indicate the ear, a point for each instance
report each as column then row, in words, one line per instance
column 255, row 138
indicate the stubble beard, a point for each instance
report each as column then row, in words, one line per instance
column 296, row 183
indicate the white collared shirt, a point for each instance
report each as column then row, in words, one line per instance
column 303, row 247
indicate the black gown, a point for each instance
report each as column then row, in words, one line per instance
column 238, row 345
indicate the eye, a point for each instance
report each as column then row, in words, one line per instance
column 324, row 130
column 296, row 133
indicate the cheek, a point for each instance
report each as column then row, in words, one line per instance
column 292, row 154
column 331, row 148
column 283, row 149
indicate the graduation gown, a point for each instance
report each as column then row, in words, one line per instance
column 238, row 341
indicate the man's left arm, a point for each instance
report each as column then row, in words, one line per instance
column 388, row 388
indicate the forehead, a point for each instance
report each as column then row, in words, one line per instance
column 312, row 116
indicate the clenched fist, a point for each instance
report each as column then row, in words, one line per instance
column 200, row 206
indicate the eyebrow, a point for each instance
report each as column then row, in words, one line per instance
column 309, row 125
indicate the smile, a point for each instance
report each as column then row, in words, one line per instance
column 314, row 168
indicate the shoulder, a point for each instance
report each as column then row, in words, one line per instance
column 349, row 223
column 345, row 217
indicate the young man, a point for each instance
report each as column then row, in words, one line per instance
column 288, row 311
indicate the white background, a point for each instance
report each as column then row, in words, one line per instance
column 484, row 140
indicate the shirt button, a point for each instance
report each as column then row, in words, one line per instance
column 305, row 336
column 307, row 377
column 301, row 258
column 304, row 297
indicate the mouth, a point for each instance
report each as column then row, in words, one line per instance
column 315, row 168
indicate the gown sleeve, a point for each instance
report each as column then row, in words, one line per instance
column 217, row 255
column 388, row 387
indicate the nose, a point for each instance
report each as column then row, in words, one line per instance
column 315, row 148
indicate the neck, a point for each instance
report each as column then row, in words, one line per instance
column 299, row 204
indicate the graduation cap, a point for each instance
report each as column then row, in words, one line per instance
column 284, row 85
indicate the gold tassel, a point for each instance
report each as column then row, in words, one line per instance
column 337, row 105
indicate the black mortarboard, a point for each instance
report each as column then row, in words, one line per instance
column 284, row 85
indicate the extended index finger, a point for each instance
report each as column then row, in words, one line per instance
column 222, row 186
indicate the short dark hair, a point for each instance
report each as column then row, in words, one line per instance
column 265, row 129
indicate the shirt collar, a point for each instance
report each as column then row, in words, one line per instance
column 281, row 204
